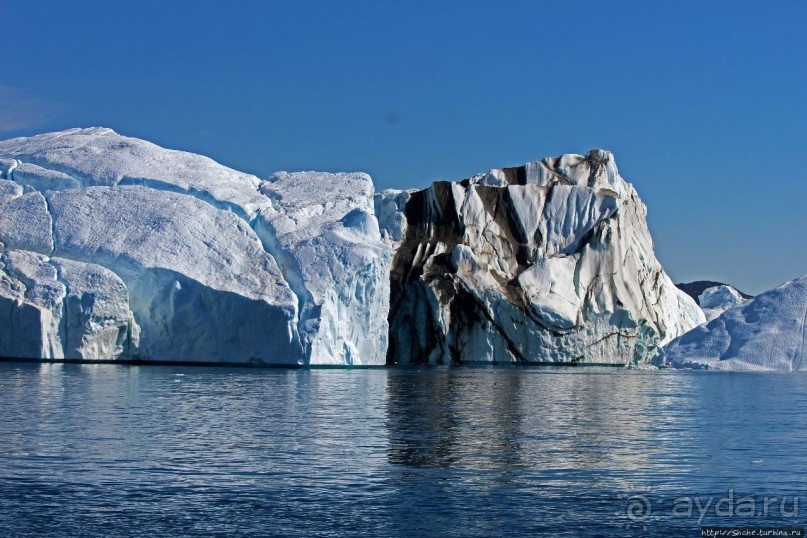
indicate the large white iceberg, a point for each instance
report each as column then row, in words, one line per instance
column 115, row 248
column 766, row 333
column 547, row 262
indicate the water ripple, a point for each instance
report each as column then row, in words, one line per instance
column 96, row 450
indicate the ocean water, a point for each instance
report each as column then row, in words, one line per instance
column 109, row 450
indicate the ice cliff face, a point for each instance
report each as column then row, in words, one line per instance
column 325, row 236
column 766, row 333
column 55, row 308
column 112, row 247
column 548, row 262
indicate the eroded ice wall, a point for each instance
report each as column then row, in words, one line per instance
column 547, row 262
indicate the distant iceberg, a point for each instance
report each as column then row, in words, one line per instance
column 767, row 333
column 716, row 300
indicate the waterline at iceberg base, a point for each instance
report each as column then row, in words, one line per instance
column 113, row 248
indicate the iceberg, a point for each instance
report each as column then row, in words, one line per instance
column 717, row 299
column 714, row 298
column 550, row 262
column 115, row 248
column 766, row 333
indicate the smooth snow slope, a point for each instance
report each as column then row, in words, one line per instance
column 767, row 333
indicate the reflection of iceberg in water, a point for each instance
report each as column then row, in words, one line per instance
column 386, row 452
column 444, row 418
column 588, row 428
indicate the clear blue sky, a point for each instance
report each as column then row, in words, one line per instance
column 703, row 103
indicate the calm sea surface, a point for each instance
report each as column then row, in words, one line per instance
column 108, row 450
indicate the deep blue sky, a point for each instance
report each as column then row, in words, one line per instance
column 703, row 103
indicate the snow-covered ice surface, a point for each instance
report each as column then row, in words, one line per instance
column 766, row 333
column 113, row 247
column 547, row 262
column 98, row 156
